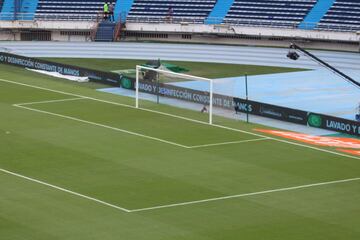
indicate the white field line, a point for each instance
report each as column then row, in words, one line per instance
column 128, row 106
column 188, row 119
column 184, row 118
column 126, row 131
column 246, row 195
column 65, row 190
column 227, row 143
column 50, row 101
column 101, row 125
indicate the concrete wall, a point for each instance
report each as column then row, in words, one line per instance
column 243, row 30
column 240, row 35
column 48, row 25
column 55, row 36
column 176, row 38
column 191, row 33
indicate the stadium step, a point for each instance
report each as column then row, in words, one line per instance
column 316, row 14
column 219, row 12
column 105, row 32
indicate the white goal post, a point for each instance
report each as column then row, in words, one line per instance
column 165, row 81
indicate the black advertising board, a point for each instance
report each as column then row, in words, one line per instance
column 237, row 104
column 334, row 123
column 271, row 111
column 107, row 78
column 256, row 108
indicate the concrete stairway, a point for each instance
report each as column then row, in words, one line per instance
column 105, row 32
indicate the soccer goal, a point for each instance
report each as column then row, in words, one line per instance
column 174, row 93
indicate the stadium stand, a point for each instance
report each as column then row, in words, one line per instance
column 122, row 9
column 1, row 4
column 219, row 12
column 277, row 13
column 181, row 10
column 69, row 9
column 28, row 9
column 9, row 10
column 316, row 14
column 344, row 15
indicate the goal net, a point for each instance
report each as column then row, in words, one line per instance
column 174, row 94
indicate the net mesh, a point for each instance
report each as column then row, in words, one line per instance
column 162, row 90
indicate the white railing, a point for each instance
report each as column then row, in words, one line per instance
column 10, row 16
column 66, row 17
column 337, row 27
column 181, row 20
column 16, row 16
column 166, row 19
column 249, row 23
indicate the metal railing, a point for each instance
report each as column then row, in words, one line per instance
column 10, row 16
column 248, row 23
column 166, row 19
column 337, row 27
column 80, row 17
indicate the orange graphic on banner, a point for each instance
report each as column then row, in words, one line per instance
column 353, row 152
column 317, row 140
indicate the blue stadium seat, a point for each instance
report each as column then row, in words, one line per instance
column 277, row 13
column 344, row 15
column 69, row 9
column 1, row 4
column 182, row 10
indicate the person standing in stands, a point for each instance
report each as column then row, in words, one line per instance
column 169, row 15
column 111, row 11
column 106, row 11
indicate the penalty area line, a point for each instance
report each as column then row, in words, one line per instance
column 65, row 190
column 50, row 101
column 228, row 143
column 22, row 105
column 101, row 125
column 246, row 195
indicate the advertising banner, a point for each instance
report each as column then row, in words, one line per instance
column 222, row 101
column 108, row 78
column 324, row 141
column 334, row 123
column 253, row 107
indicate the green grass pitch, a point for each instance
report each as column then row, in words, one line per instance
column 94, row 168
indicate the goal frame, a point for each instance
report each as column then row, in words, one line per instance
column 211, row 94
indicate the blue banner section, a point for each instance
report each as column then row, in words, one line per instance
column 28, row 8
column 7, row 11
column 19, row 10
column 316, row 14
column 122, row 9
column 219, row 12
